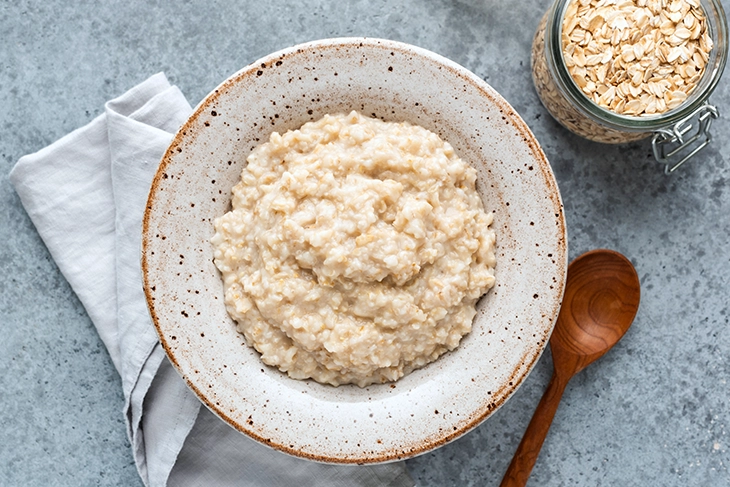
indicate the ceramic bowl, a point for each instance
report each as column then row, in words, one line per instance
column 347, row 424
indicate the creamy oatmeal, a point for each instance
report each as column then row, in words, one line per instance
column 355, row 251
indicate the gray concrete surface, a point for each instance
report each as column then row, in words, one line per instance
column 653, row 412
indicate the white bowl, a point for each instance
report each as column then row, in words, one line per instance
column 347, row 424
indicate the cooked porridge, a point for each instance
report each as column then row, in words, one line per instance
column 355, row 251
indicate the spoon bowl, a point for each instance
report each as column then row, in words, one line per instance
column 601, row 299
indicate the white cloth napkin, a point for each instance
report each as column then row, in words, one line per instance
column 86, row 195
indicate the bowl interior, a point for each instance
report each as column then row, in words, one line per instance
column 431, row 406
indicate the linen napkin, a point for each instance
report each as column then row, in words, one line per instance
column 86, row 195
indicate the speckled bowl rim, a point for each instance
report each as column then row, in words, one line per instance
column 251, row 72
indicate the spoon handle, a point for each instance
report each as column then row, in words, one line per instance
column 527, row 452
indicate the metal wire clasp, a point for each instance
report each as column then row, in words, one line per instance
column 669, row 144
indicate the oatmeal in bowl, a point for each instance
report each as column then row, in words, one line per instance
column 425, row 284
column 355, row 251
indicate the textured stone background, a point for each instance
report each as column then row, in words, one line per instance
column 654, row 411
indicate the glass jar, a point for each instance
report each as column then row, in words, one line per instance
column 678, row 133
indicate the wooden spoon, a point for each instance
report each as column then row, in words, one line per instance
column 601, row 300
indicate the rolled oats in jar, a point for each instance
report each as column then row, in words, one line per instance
column 616, row 71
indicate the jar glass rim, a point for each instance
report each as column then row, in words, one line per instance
column 716, row 22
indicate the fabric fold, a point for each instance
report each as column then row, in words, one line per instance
column 160, row 409
column 66, row 188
